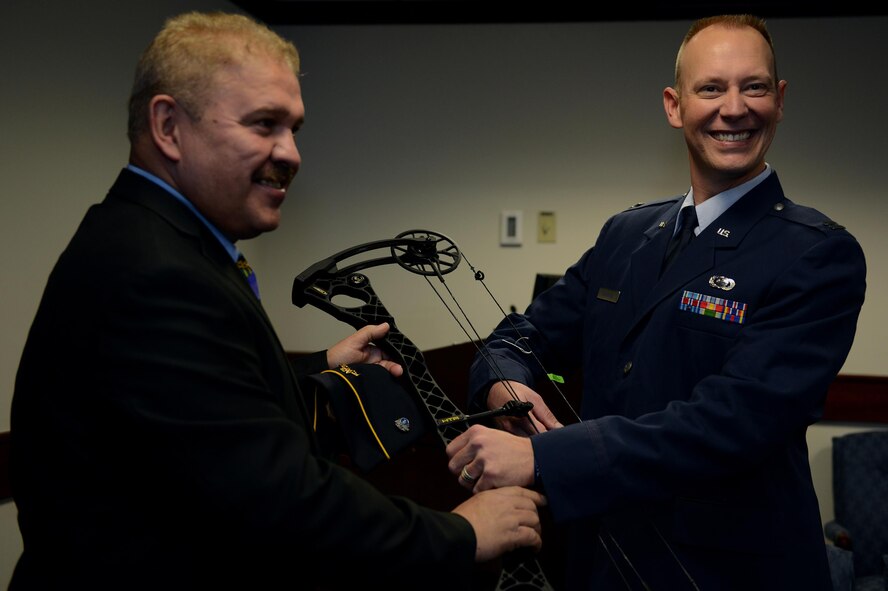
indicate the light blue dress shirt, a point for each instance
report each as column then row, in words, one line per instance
column 229, row 246
column 709, row 210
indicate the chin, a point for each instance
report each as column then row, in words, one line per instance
column 735, row 166
column 269, row 225
column 255, row 230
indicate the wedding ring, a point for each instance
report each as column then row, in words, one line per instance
column 466, row 476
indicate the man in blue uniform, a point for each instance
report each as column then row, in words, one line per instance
column 703, row 363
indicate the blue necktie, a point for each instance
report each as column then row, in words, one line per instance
column 245, row 268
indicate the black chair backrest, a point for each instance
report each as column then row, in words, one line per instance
column 860, row 493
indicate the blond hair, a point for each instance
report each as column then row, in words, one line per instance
column 183, row 58
column 729, row 21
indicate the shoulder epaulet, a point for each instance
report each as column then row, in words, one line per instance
column 642, row 204
column 833, row 225
column 807, row 216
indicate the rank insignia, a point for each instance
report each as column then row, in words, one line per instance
column 705, row 305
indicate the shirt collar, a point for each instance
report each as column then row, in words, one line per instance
column 709, row 210
column 229, row 246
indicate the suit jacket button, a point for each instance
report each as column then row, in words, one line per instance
column 627, row 368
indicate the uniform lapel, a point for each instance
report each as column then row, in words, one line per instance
column 644, row 266
column 724, row 233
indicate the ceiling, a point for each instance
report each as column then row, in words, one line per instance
column 350, row 12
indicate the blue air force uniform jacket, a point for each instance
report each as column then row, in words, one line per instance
column 691, row 461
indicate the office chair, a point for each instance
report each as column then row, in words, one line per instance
column 860, row 491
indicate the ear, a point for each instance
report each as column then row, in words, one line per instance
column 781, row 95
column 672, row 108
column 164, row 120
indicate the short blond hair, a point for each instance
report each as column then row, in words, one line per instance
column 729, row 21
column 183, row 58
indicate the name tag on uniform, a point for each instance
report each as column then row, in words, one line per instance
column 608, row 295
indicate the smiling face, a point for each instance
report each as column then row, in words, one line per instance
column 238, row 156
column 728, row 105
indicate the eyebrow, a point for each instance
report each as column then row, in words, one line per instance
column 273, row 112
column 763, row 77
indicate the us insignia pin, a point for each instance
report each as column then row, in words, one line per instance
column 403, row 424
column 722, row 282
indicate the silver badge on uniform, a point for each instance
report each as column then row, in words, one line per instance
column 403, row 424
column 722, row 282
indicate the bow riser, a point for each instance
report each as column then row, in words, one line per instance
column 398, row 347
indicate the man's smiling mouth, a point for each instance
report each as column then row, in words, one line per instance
column 274, row 184
column 278, row 177
column 737, row 136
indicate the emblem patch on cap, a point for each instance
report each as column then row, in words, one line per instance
column 705, row 305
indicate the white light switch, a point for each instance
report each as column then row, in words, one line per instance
column 511, row 222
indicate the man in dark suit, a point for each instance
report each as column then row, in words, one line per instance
column 701, row 370
column 159, row 436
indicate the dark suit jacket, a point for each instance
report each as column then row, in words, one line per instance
column 160, row 440
column 693, row 437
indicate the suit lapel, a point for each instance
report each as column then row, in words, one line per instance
column 724, row 233
column 134, row 188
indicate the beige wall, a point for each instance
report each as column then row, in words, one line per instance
column 432, row 127
column 443, row 127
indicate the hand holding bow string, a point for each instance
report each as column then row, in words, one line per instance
column 488, row 458
column 539, row 419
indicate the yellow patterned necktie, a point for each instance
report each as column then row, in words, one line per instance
column 250, row 276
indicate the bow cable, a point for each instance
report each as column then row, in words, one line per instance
column 485, row 354
column 479, row 276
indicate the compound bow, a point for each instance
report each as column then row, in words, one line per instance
column 425, row 253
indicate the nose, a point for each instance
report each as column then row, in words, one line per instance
column 733, row 105
column 286, row 152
